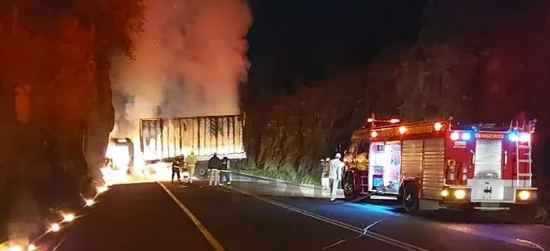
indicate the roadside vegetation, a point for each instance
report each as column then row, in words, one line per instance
column 304, row 178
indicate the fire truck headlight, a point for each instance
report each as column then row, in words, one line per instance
column 445, row 193
column 524, row 195
column 460, row 194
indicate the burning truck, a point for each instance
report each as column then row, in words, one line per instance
column 438, row 164
column 162, row 140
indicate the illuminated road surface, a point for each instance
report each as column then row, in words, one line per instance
column 146, row 217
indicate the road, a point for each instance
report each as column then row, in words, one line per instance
column 257, row 215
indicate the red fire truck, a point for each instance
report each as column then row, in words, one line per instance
column 441, row 164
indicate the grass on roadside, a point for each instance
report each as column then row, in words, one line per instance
column 290, row 176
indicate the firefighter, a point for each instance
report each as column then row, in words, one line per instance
column 324, row 173
column 224, row 171
column 214, row 165
column 335, row 174
column 176, row 168
column 190, row 163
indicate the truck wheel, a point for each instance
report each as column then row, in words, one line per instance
column 348, row 185
column 203, row 172
column 410, row 198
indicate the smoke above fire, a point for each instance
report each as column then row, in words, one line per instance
column 189, row 61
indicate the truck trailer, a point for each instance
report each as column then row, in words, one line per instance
column 442, row 164
column 164, row 139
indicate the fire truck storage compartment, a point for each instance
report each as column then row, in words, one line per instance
column 488, row 158
column 385, row 167
column 433, row 166
column 487, row 185
column 411, row 160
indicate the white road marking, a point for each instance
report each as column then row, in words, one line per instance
column 376, row 236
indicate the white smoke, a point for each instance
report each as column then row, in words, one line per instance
column 189, row 62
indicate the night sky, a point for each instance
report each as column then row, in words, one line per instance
column 309, row 39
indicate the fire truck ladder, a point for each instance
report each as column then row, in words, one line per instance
column 518, row 126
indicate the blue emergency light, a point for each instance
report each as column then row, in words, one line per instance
column 513, row 136
column 466, row 136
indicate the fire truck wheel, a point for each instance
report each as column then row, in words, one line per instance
column 410, row 197
column 349, row 188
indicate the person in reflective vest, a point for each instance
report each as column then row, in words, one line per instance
column 190, row 163
column 224, row 171
column 214, row 165
column 176, row 168
column 335, row 174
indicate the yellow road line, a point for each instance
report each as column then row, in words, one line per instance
column 217, row 246
column 379, row 237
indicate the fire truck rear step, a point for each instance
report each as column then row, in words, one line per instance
column 382, row 197
column 491, row 206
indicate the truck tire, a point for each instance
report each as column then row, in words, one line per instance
column 202, row 172
column 348, row 185
column 410, row 197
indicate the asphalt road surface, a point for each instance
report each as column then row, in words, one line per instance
column 246, row 216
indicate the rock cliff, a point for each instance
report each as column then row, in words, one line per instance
column 56, row 105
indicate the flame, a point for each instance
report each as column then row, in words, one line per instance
column 139, row 172
column 161, row 171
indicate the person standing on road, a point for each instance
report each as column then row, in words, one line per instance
column 324, row 173
column 214, row 166
column 190, row 163
column 335, row 174
column 224, row 171
column 176, row 168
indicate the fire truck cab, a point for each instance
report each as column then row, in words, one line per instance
column 441, row 164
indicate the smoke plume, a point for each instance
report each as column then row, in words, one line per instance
column 189, row 62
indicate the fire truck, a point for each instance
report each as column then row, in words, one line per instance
column 441, row 164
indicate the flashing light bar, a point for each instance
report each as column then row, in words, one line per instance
column 464, row 136
column 522, row 137
column 393, row 121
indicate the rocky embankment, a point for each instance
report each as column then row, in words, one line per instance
column 56, row 106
